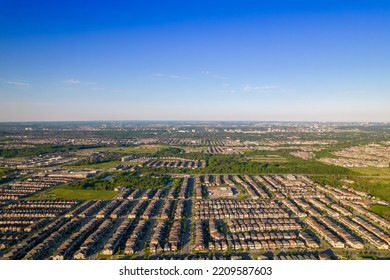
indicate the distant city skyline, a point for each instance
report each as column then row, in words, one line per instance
column 195, row 60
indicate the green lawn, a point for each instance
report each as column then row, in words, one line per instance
column 379, row 187
column 381, row 210
column 103, row 165
column 372, row 171
column 134, row 150
column 126, row 150
column 376, row 181
column 66, row 193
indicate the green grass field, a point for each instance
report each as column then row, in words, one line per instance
column 105, row 149
column 128, row 150
column 103, row 165
column 372, row 171
column 381, row 210
column 376, row 181
column 379, row 187
column 71, row 194
column 134, row 150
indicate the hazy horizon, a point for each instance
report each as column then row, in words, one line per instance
column 193, row 121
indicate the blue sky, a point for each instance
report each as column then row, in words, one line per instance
column 195, row 60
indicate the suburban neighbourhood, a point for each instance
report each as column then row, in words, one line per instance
column 163, row 198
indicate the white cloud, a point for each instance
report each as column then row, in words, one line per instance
column 249, row 88
column 177, row 77
column 170, row 76
column 72, row 82
column 212, row 75
column 266, row 89
column 18, row 83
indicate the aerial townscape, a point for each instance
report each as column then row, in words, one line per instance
column 194, row 190
column 180, row 139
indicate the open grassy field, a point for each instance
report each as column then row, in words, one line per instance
column 143, row 149
column 66, row 193
column 370, row 180
column 103, row 165
column 372, row 171
column 376, row 181
column 381, row 210
column 100, row 149
column 137, row 150
column 267, row 158
column 378, row 186
column 3, row 172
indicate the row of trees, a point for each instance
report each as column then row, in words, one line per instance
column 42, row 149
column 107, row 157
column 6, row 175
column 169, row 152
column 237, row 164
column 106, row 181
